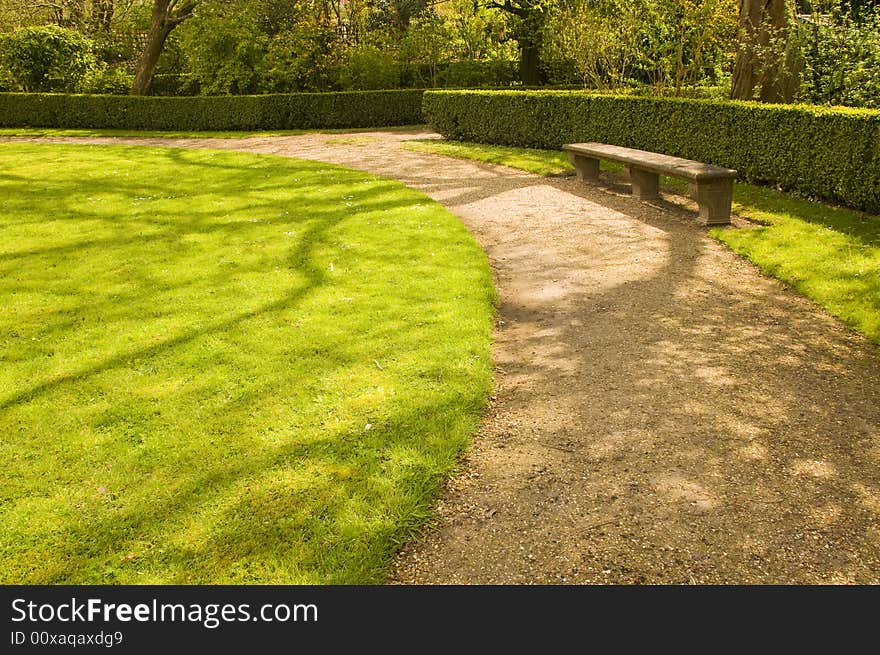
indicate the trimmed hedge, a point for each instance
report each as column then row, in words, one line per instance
column 265, row 112
column 829, row 152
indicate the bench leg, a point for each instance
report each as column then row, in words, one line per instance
column 645, row 184
column 714, row 199
column 587, row 168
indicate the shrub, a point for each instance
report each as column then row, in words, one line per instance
column 174, row 84
column 468, row 73
column 307, row 58
column 224, row 56
column 370, row 68
column 267, row 112
column 7, row 80
column 108, row 80
column 47, row 58
column 841, row 58
column 829, row 152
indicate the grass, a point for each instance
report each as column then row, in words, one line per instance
column 540, row 162
column 61, row 132
column 226, row 368
column 830, row 254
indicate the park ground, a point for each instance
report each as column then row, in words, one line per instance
column 662, row 411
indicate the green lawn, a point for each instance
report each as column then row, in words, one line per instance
column 226, row 368
column 540, row 162
column 241, row 134
column 830, row 254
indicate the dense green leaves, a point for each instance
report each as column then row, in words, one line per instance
column 829, row 152
column 47, row 58
column 841, row 58
column 267, row 112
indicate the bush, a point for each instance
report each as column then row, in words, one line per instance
column 841, row 59
column 829, row 152
column 223, row 55
column 369, row 67
column 108, row 80
column 268, row 112
column 307, row 58
column 174, row 84
column 7, row 80
column 47, row 58
column 478, row 73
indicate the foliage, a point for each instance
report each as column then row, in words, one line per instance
column 47, row 58
column 493, row 72
column 266, row 112
column 841, row 57
column 307, row 58
column 222, row 367
column 108, row 80
column 427, row 45
column 369, row 67
column 224, row 50
column 830, row 153
column 668, row 44
column 478, row 33
column 657, row 47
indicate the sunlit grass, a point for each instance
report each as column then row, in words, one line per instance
column 228, row 134
column 540, row 162
column 222, row 367
column 830, row 254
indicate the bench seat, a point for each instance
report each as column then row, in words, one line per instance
column 712, row 185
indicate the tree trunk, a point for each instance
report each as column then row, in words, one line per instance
column 167, row 14
column 765, row 62
column 530, row 63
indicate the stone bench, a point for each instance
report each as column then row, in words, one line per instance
column 711, row 186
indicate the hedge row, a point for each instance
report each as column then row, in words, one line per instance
column 820, row 151
column 265, row 112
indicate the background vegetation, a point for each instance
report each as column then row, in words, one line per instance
column 817, row 51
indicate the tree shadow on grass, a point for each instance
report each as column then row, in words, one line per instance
column 369, row 484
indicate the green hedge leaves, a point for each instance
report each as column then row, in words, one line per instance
column 265, row 112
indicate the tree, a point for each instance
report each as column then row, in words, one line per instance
column 597, row 39
column 166, row 15
column 529, row 17
column 766, row 63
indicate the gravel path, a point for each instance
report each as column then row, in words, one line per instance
column 663, row 412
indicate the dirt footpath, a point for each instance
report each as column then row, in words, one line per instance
column 664, row 413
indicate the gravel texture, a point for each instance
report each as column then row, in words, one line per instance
column 663, row 412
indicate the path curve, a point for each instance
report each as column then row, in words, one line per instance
column 663, row 412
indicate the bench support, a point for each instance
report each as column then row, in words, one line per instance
column 711, row 186
column 587, row 168
column 714, row 198
column 645, row 184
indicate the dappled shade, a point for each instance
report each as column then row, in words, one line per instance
column 226, row 368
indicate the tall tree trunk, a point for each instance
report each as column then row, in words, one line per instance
column 765, row 62
column 530, row 63
column 166, row 16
